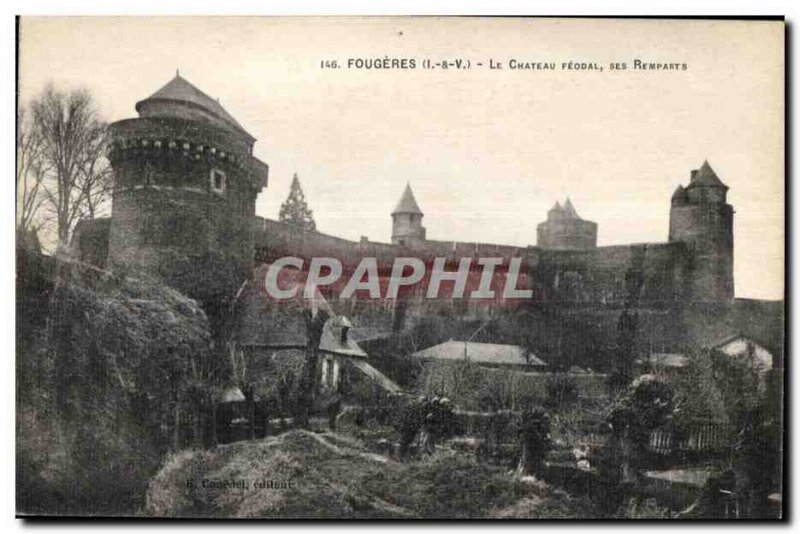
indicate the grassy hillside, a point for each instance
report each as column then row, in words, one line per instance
column 326, row 475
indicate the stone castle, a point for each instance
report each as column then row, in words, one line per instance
column 186, row 182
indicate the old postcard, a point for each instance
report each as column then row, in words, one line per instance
column 400, row 267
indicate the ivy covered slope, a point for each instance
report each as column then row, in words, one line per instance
column 105, row 365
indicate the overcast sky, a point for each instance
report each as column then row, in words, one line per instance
column 487, row 152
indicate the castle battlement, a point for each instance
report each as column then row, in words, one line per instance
column 184, row 200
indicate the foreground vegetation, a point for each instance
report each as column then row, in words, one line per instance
column 326, row 475
column 107, row 367
column 112, row 369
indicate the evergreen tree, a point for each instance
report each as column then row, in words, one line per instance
column 295, row 210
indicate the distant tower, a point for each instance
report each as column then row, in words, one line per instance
column 185, row 186
column 407, row 226
column 701, row 217
column 565, row 230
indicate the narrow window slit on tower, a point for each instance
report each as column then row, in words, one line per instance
column 217, row 181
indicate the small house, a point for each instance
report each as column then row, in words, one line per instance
column 494, row 355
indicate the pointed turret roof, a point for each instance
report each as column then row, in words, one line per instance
column 557, row 207
column 179, row 90
column 407, row 204
column 705, row 176
column 569, row 210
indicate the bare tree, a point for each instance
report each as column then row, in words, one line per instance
column 95, row 181
column 31, row 171
column 73, row 136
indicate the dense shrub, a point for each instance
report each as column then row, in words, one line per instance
column 534, row 437
column 739, row 385
column 561, row 390
column 648, row 509
column 274, row 379
column 112, row 380
column 432, row 417
column 697, row 394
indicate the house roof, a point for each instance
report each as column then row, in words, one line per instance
column 664, row 359
column 725, row 340
column 180, row 90
column 407, row 204
column 333, row 342
column 693, row 476
column 489, row 353
column 706, row 177
column 232, row 394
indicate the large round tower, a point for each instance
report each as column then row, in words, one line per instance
column 185, row 186
column 701, row 217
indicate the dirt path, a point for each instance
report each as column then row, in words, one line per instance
column 375, row 502
column 344, row 451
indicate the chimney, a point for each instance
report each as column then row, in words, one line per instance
column 343, row 325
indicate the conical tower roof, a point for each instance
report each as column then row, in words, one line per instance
column 180, row 91
column 706, row 177
column 407, row 204
column 557, row 207
column 569, row 210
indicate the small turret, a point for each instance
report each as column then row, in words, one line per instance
column 569, row 210
column 407, row 226
column 564, row 229
column 679, row 197
column 556, row 212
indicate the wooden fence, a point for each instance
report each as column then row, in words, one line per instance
column 702, row 436
column 696, row 437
